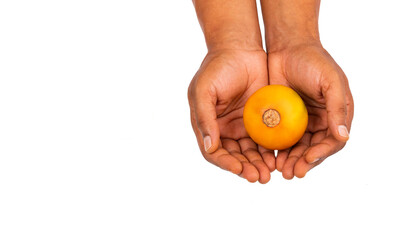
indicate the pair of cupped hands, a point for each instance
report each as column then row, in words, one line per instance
column 228, row 77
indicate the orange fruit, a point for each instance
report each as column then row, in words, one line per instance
column 275, row 117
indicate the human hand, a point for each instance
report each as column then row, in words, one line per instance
column 309, row 69
column 217, row 95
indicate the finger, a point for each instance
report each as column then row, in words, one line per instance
column 317, row 137
column 268, row 157
column 223, row 159
column 220, row 157
column 203, row 103
column 302, row 167
column 233, row 147
column 296, row 152
column 281, row 157
column 249, row 171
column 328, row 146
column 334, row 92
column 249, row 150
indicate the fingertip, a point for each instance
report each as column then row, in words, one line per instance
column 301, row 175
column 343, row 133
column 252, row 178
column 237, row 168
column 339, row 132
column 269, row 160
column 264, row 181
column 288, row 173
column 300, row 172
column 208, row 144
column 301, row 168
column 249, row 172
column 280, row 160
column 264, row 177
column 270, row 163
column 288, row 176
column 264, row 172
column 211, row 144
column 271, row 167
column 311, row 156
column 288, row 168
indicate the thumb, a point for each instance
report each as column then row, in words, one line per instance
column 335, row 96
column 205, row 115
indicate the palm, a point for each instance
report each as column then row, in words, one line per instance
column 233, row 77
column 234, row 88
column 304, row 70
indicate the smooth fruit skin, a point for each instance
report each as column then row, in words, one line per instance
column 293, row 117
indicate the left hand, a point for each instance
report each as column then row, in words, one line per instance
column 309, row 69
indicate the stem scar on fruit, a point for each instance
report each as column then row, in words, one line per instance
column 271, row 117
column 275, row 117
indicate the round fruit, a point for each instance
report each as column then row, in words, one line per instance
column 275, row 117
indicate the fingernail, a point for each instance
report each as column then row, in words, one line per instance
column 316, row 160
column 207, row 142
column 343, row 131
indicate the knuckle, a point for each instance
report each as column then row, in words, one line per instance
column 341, row 111
column 249, row 150
column 201, row 122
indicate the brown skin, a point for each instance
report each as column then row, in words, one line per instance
column 236, row 66
column 297, row 59
column 312, row 72
column 217, row 95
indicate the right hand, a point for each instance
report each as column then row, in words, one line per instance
column 217, row 95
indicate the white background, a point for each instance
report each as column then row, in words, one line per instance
column 96, row 143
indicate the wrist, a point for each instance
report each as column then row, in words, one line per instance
column 290, row 22
column 291, row 32
column 231, row 24
column 233, row 39
column 279, row 43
